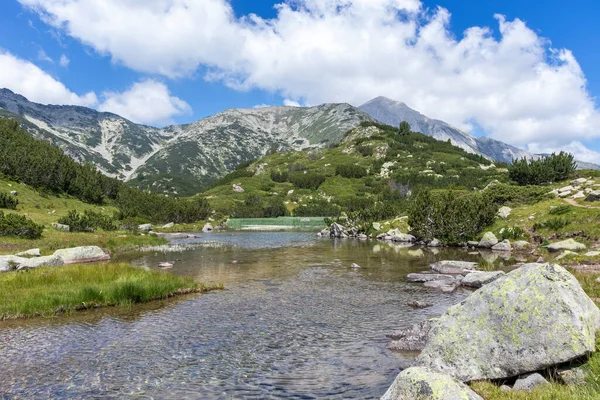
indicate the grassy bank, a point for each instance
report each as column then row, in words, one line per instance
column 46, row 292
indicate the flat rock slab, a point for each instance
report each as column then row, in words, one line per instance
column 83, row 254
column 568, row 244
column 453, row 267
column 532, row 318
column 444, row 285
column 477, row 279
column 429, row 277
column 424, row 384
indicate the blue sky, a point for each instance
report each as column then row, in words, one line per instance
column 517, row 85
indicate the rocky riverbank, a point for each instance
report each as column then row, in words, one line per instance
column 513, row 331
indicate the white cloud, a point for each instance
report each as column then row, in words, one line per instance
column 574, row 147
column 42, row 56
column 27, row 79
column 64, row 61
column 516, row 87
column 146, row 102
column 291, row 103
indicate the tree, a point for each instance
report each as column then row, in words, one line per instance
column 405, row 128
column 555, row 167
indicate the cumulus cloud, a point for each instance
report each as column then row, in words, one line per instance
column 515, row 86
column 147, row 101
column 29, row 80
column 291, row 103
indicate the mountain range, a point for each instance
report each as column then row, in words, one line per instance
column 184, row 159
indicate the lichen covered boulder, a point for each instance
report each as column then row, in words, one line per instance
column 488, row 240
column 532, row 318
column 83, row 254
column 425, row 384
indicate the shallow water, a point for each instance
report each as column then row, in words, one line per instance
column 295, row 321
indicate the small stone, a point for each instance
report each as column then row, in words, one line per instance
column 237, row 188
column 529, row 382
column 419, row 304
column 564, row 254
column 443, row 285
column 504, row 212
column 434, row 243
column 207, row 228
column 61, row 227
column 521, row 245
column 412, row 338
column 429, row 277
column 502, row 246
column 505, row 387
column 588, row 254
column 355, row 266
column 169, row 225
column 165, row 265
column 572, row 377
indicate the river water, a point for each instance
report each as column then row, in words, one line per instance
column 295, row 321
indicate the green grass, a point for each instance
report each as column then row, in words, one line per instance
column 50, row 291
column 554, row 391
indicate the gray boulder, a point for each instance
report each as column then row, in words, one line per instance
column 453, row 267
column 30, row 253
column 336, row 230
column 529, row 382
column 504, row 212
column 168, row 226
column 434, row 243
column 429, row 277
column 443, row 285
column 404, row 238
column 418, row 383
column 502, row 246
column 521, row 245
column 572, row 377
column 479, row 278
column 8, row 263
column 412, row 338
column 47, row 261
column 593, row 196
column 145, row 227
column 61, row 227
column 568, row 244
column 207, row 228
column 532, row 318
column 83, row 254
column 488, row 240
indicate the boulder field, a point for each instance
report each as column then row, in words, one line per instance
column 528, row 320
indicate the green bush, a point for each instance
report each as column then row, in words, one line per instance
column 280, row 177
column 8, row 201
column 275, row 208
column 317, row 208
column 554, row 224
column 516, row 195
column 514, row 233
column 351, row 171
column 450, row 217
column 17, row 225
column 365, row 151
column 556, row 167
column 560, row 210
column 89, row 221
column 309, row 180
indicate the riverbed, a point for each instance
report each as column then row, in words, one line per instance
column 295, row 321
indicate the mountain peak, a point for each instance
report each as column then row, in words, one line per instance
column 385, row 101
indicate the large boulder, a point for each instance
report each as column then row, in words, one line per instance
column 9, row 263
column 453, row 267
column 534, row 317
column 529, row 382
column 488, row 240
column 593, row 196
column 568, row 244
column 83, row 254
column 336, row 230
column 424, row 384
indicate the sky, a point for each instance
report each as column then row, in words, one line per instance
column 524, row 72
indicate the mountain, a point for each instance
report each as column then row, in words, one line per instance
column 393, row 112
column 181, row 159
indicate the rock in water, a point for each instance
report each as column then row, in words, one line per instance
column 488, row 240
column 453, row 267
column 336, row 230
column 413, row 338
column 429, row 277
column 502, row 246
column 424, row 384
column 83, row 254
column 479, row 278
column 530, row 319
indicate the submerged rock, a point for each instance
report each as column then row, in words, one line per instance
column 453, row 267
column 413, row 338
column 429, row 277
column 529, row 382
column 83, row 254
column 534, row 317
column 424, row 384
column 479, row 278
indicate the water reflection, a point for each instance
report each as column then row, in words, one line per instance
column 294, row 322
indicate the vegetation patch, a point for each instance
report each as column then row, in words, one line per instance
column 50, row 291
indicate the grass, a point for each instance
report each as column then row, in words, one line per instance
column 48, row 208
column 50, row 291
column 553, row 391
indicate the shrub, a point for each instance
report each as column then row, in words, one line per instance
column 450, row 217
column 556, row 167
column 8, row 201
column 516, row 195
column 514, row 233
column 560, row 210
column 87, row 222
column 310, row 180
column 317, row 208
column 350, row 171
column 17, row 225
column 278, row 176
column 553, row 224
column 275, row 208
column 365, row 151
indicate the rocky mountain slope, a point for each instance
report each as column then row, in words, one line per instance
column 393, row 112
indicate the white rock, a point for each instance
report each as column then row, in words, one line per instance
column 61, row 227
column 237, row 188
column 502, row 246
column 504, row 212
column 488, row 240
column 592, row 253
column 30, row 253
column 82, row 254
column 145, row 227
column 568, row 244
column 207, row 228
column 168, row 226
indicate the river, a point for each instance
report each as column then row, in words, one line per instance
column 295, row 321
